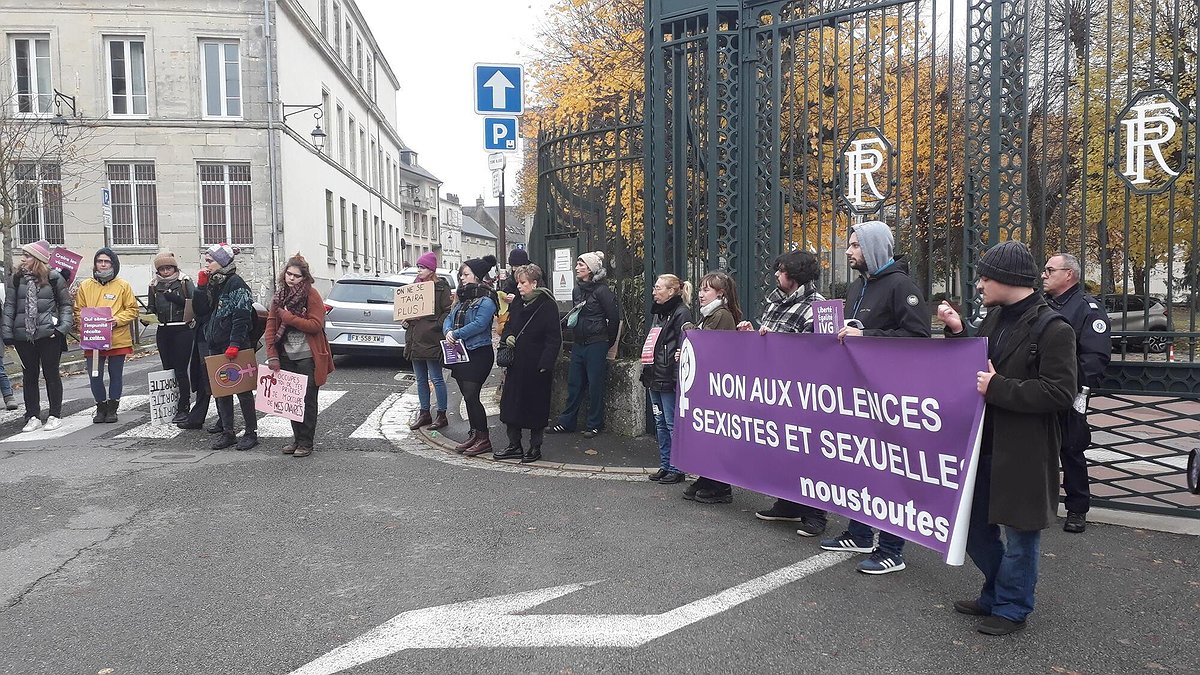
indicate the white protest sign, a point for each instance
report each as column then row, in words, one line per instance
column 413, row 301
column 164, row 396
column 281, row 393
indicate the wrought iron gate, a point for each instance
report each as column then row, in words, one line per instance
column 1069, row 124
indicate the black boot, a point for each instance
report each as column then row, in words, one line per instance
column 110, row 413
column 511, row 452
column 533, row 454
column 101, row 412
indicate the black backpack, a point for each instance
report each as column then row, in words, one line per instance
column 1032, row 360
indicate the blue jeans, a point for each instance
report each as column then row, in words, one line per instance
column 589, row 366
column 888, row 542
column 116, row 381
column 426, row 370
column 5, row 383
column 664, row 425
column 1010, row 567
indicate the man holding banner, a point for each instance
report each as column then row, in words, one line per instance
column 882, row 302
column 1030, row 379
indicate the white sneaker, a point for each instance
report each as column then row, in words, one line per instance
column 52, row 423
column 32, row 425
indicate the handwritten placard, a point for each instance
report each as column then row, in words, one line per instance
column 454, row 353
column 281, row 393
column 64, row 259
column 164, row 396
column 648, row 346
column 413, row 301
column 226, row 378
column 95, row 328
column 828, row 316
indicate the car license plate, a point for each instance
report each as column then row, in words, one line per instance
column 373, row 339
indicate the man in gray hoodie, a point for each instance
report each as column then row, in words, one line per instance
column 884, row 302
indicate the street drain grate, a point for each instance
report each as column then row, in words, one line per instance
column 170, row 458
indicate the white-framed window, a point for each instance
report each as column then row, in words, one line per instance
column 127, row 76
column 226, row 211
column 362, row 143
column 337, row 34
column 353, row 157
column 39, row 202
column 370, row 77
column 329, row 229
column 221, row 78
column 33, row 84
column 354, row 231
column 349, row 45
column 134, row 203
column 341, row 135
column 323, row 13
column 359, row 61
column 345, row 247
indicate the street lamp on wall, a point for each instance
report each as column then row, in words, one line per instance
column 318, row 135
column 413, row 192
column 59, row 124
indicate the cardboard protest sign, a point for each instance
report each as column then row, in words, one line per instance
column 226, row 378
column 828, row 316
column 281, row 393
column 413, row 301
column 884, row 431
column 95, row 328
column 64, row 259
column 164, row 396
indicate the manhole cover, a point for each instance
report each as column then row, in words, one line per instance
column 170, row 458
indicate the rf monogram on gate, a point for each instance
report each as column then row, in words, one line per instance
column 863, row 159
column 866, row 170
column 1146, row 131
column 1150, row 141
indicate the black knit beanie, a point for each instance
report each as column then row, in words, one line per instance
column 1010, row 263
column 518, row 257
column 481, row 266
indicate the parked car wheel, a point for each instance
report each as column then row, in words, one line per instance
column 1157, row 344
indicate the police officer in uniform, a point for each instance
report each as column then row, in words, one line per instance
column 1093, row 349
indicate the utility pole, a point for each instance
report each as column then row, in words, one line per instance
column 503, row 242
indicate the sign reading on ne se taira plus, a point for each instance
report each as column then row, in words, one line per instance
column 413, row 301
column 882, row 430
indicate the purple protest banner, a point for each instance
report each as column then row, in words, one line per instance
column 882, row 430
column 64, row 259
column 828, row 316
column 95, row 328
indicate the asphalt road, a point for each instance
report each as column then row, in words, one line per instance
column 155, row 555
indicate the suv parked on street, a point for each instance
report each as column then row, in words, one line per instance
column 1128, row 313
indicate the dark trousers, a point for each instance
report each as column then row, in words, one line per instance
column 589, row 367
column 811, row 514
column 1009, row 564
column 302, row 432
column 225, row 412
column 41, row 356
column 1076, row 437
column 174, row 350
column 535, row 436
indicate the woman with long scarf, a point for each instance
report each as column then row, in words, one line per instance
column 170, row 300
column 295, row 338
column 37, row 314
column 661, row 374
column 470, row 323
column 105, row 288
column 227, row 332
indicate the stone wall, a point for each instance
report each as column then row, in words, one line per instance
column 624, row 398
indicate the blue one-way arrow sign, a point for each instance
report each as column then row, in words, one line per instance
column 499, row 88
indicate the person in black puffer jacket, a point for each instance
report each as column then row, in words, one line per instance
column 594, row 322
column 660, row 376
column 227, row 333
column 169, row 294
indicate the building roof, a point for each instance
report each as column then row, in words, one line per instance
column 418, row 170
column 471, row 227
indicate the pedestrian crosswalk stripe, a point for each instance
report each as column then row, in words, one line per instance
column 7, row 416
column 74, row 423
column 370, row 428
column 279, row 427
column 162, row 431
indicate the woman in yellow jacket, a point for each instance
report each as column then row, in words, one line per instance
column 106, row 289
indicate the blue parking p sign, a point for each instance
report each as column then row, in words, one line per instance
column 499, row 89
column 499, row 133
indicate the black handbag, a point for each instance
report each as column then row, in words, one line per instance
column 505, row 354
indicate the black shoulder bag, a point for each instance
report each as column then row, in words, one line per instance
column 506, row 353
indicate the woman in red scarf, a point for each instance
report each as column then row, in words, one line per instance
column 295, row 338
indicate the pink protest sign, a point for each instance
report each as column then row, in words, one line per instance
column 281, row 393
column 95, row 328
column 64, row 259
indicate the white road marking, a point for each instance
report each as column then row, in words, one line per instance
column 76, row 422
column 491, row 622
column 371, row 427
column 7, row 416
column 279, row 427
column 162, row 431
column 490, row 399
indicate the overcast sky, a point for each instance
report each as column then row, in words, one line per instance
column 432, row 46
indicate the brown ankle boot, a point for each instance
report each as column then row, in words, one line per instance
column 422, row 420
column 467, row 443
column 440, row 421
column 483, row 443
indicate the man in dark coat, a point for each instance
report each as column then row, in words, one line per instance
column 534, row 332
column 1093, row 349
column 594, row 322
column 1026, row 386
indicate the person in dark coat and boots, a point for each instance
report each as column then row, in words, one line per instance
column 719, row 310
column 661, row 375
column 1026, row 386
column 169, row 297
column 1093, row 350
column 594, row 323
column 422, row 346
column 533, row 331
column 886, row 303
column 470, row 323
column 295, row 339
column 202, row 308
column 227, row 333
